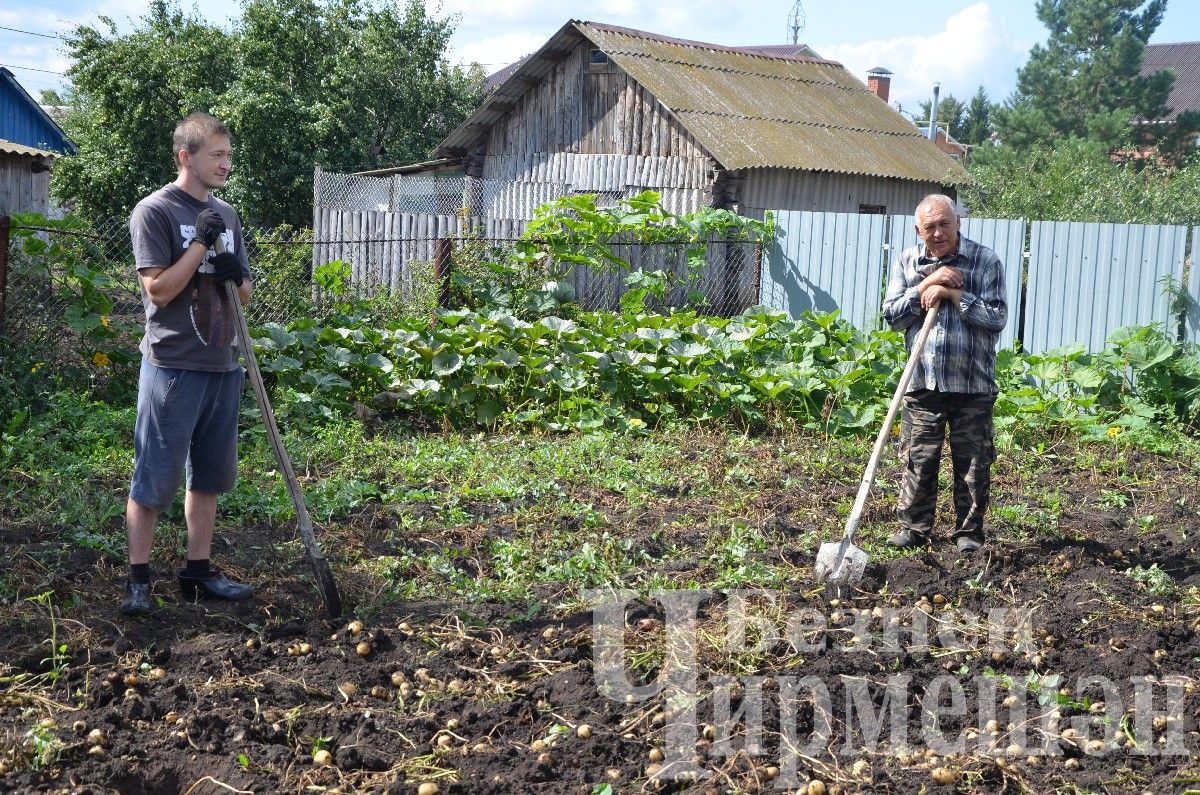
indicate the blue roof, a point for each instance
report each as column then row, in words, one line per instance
column 23, row 121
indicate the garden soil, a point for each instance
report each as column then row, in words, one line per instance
column 212, row 698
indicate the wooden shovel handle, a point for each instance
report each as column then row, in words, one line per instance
column 864, row 488
column 329, row 594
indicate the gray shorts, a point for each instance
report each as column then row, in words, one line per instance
column 186, row 420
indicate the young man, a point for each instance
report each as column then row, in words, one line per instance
column 954, row 383
column 190, row 385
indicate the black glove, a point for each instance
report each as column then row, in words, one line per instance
column 227, row 267
column 209, row 226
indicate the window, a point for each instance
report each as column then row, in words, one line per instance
column 872, row 209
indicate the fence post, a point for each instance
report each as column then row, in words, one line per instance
column 5, row 224
column 443, row 247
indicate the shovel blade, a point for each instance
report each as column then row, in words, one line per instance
column 841, row 563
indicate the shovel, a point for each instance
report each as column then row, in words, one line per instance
column 320, row 566
column 843, row 563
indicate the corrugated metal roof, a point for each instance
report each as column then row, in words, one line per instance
column 21, row 149
column 1184, row 60
column 756, row 111
column 781, row 50
column 745, row 108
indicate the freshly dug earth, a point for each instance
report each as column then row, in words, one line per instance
column 494, row 697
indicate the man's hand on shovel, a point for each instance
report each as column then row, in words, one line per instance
column 228, row 268
column 944, row 284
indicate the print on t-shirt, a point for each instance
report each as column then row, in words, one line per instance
column 207, row 309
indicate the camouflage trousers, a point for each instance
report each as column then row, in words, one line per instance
column 925, row 415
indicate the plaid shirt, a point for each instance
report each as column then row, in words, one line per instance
column 960, row 354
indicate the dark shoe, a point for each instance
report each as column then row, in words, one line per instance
column 137, row 599
column 214, row 586
column 968, row 544
column 908, row 538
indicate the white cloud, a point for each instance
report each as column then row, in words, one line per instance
column 975, row 47
column 496, row 52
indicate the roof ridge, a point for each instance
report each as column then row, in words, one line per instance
column 727, row 70
column 915, row 132
column 704, row 45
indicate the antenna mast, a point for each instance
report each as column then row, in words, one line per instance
column 796, row 21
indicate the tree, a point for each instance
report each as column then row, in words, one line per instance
column 950, row 114
column 1084, row 81
column 127, row 93
column 1075, row 179
column 338, row 83
column 977, row 125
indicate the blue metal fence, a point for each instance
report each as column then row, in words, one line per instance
column 1077, row 282
column 1088, row 280
column 826, row 261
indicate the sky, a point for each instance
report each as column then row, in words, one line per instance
column 961, row 45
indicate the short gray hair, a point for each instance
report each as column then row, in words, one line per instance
column 938, row 198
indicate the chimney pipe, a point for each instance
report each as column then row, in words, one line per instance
column 879, row 81
column 933, row 113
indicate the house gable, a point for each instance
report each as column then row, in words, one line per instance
column 22, row 120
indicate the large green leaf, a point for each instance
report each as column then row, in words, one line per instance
column 447, row 362
column 557, row 325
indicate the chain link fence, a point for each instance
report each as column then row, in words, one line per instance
column 435, row 195
column 70, row 306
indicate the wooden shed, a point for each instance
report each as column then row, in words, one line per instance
column 24, row 178
column 614, row 111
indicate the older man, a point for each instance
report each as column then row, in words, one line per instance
column 954, row 384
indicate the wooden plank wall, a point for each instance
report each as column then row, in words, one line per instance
column 596, row 130
column 21, row 190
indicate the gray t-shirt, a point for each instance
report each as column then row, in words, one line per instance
column 197, row 330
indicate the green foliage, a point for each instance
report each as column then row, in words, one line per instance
column 93, row 341
column 573, row 231
column 57, row 662
column 634, row 372
column 45, row 747
column 1142, row 382
column 282, row 260
column 58, row 448
column 339, row 83
column 339, row 304
column 128, row 91
column 527, row 279
column 598, row 370
column 1156, row 581
column 1084, row 82
column 977, row 124
column 1077, row 180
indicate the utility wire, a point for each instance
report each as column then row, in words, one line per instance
column 31, row 33
column 31, row 69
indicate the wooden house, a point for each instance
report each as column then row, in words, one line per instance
column 614, row 111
